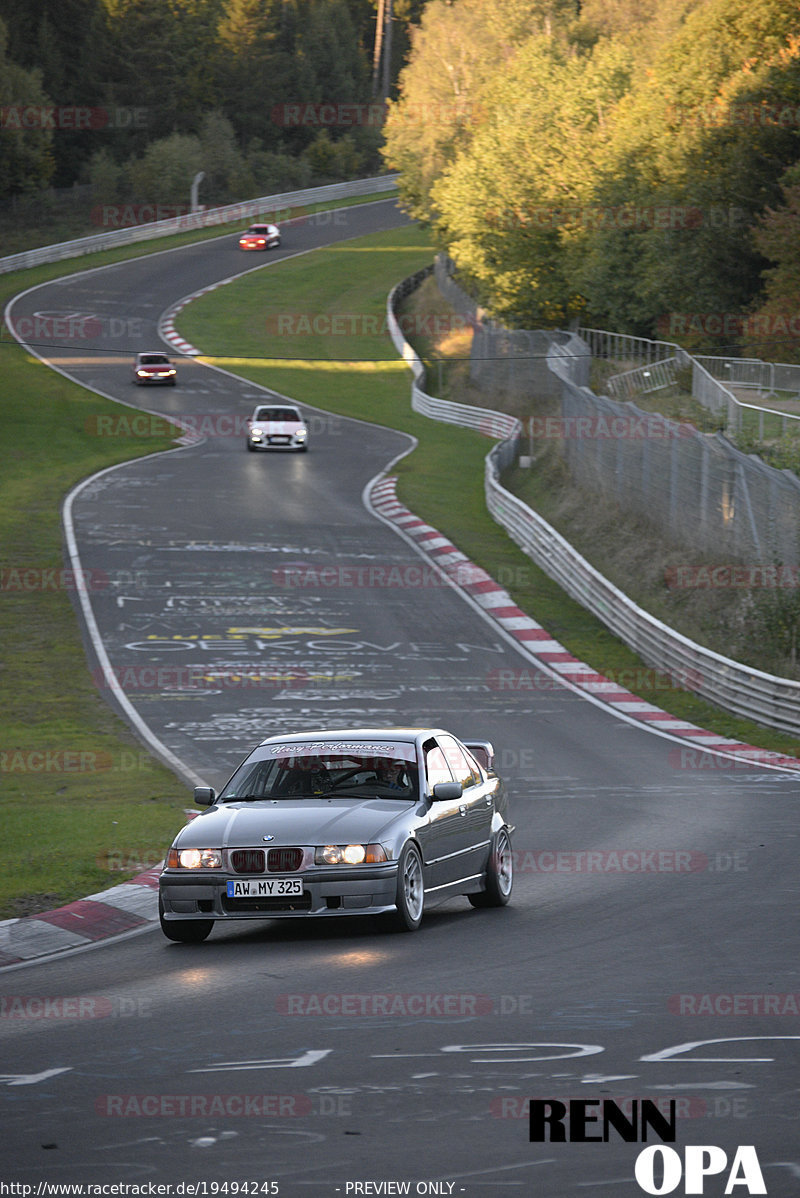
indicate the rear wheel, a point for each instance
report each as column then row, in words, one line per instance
column 410, row 890
column 499, row 874
column 184, row 931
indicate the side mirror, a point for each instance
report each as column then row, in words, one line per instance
column 444, row 791
column 204, row 795
column 482, row 751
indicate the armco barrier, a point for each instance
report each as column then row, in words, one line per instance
column 247, row 210
column 728, row 684
column 497, row 424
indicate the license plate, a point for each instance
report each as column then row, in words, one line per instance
column 280, row 440
column 264, row 887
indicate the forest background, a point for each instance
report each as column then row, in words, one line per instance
column 631, row 164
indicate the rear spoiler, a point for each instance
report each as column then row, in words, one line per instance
column 482, row 751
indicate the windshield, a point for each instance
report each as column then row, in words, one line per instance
column 299, row 772
column 277, row 414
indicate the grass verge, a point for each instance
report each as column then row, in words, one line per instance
column 83, row 805
column 442, row 481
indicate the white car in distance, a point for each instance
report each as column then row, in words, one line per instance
column 277, row 426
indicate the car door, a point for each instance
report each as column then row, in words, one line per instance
column 476, row 809
column 444, row 837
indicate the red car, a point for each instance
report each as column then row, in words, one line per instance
column 260, row 237
column 153, row 368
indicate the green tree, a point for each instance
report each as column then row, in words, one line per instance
column 458, row 50
column 254, row 63
column 165, row 171
column 26, row 160
column 691, row 156
column 158, row 62
column 774, row 329
column 106, row 177
column 227, row 174
column 519, row 193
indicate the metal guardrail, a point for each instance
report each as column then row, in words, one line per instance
column 247, row 210
column 724, row 682
column 735, row 687
column 483, row 420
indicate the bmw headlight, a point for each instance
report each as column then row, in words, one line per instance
column 349, row 854
column 194, row 859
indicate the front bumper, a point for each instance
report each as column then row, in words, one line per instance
column 365, row 891
column 259, row 245
column 270, row 442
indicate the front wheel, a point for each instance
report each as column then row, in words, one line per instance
column 499, row 874
column 410, row 890
column 184, row 931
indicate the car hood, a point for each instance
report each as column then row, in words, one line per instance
column 293, row 821
column 279, row 427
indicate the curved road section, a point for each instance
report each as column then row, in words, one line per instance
column 650, row 949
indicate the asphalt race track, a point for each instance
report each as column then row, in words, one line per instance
column 327, row 1057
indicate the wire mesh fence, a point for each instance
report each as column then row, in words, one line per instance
column 696, row 486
